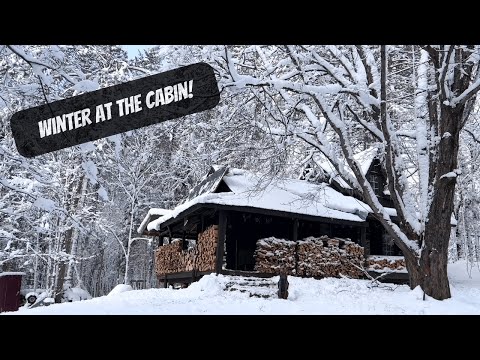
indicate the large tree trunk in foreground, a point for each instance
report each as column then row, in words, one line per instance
column 431, row 272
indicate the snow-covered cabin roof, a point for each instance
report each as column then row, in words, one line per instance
column 286, row 195
column 364, row 159
column 153, row 212
column 14, row 273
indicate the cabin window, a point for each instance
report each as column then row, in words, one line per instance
column 388, row 245
column 375, row 183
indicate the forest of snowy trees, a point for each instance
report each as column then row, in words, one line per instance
column 69, row 218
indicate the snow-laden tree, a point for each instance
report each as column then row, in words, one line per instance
column 53, row 191
column 411, row 102
column 67, row 216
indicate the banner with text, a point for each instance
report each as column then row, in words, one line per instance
column 115, row 109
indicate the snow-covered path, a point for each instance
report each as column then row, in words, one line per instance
column 307, row 296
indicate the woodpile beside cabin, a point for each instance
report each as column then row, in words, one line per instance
column 234, row 222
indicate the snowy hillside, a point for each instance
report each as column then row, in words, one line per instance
column 307, row 296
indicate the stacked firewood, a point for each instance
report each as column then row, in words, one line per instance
column 324, row 257
column 379, row 262
column 168, row 258
column 273, row 255
column 318, row 257
column 172, row 258
column 187, row 259
column 207, row 249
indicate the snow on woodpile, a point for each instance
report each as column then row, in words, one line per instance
column 384, row 263
column 316, row 257
column 171, row 258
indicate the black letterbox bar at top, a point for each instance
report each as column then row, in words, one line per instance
column 115, row 109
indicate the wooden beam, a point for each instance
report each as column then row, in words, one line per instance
column 202, row 207
column 295, row 229
column 184, row 241
column 285, row 214
column 236, row 252
column 364, row 242
column 248, row 273
column 222, row 230
column 169, row 234
column 295, row 238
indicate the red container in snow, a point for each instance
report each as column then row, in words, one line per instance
column 10, row 283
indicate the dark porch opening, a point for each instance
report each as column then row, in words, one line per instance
column 245, row 229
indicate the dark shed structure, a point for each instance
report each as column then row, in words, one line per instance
column 10, row 283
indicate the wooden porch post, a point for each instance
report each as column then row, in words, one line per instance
column 295, row 229
column 295, row 238
column 222, row 230
column 363, row 241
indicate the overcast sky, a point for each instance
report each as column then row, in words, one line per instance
column 132, row 50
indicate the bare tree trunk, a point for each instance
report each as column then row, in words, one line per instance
column 67, row 239
column 126, row 279
column 67, row 245
column 49, row 267
column 35, row 272
column 75, row 236
column 149, row 275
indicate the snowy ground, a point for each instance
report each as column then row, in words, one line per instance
column 307, row 296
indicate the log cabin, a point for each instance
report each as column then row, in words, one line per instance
column 236, row 222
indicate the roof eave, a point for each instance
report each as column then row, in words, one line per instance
column 257, row 210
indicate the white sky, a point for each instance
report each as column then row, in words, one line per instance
column 132, row 50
